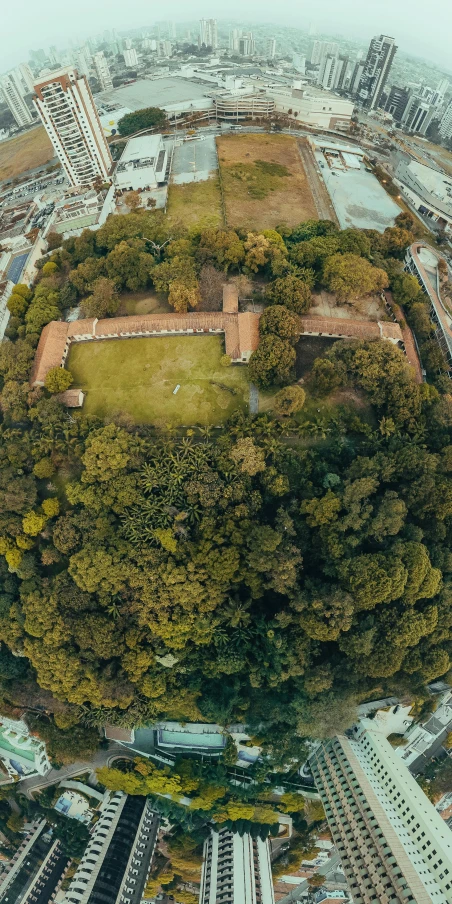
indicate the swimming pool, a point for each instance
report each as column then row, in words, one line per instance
column 209, row 739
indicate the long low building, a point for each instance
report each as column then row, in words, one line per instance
column 243, row 106
column 318, row 109
column 429, row 191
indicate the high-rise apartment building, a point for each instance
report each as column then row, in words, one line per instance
column 103, row 71
column 393, row 844
column 321, row 49
column 35, row 872
column 15, row 101
column 417, row 115
column 66, row 107
column 270, row 48
column 397, row 102
column 327, row 71
column 445, row 126
column 299, row 62
column 440, row 92
column 377, row 66
column 236, row 869
column 208, row 33
column 247, row 44
column 234, row 40
column 130, row 57
column 343, row 74
column 117, row 861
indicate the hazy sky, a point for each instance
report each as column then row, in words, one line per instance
column 418, row 28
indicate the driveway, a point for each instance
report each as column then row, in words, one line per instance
column 101, row 758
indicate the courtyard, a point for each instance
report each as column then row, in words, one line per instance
column 137, row 377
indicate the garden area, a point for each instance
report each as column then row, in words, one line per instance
column 137, row 377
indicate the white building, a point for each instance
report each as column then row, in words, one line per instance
column 103, row 71
column 299, row 62
column 327, row 72
column 445, row 126
column 321, row 49
column 26, row 76
column 421, row 738
column 21, row 754
column 417, row 115
column 208, row 33
column 117, row 861
column 427, row 189
column 82, row 63
column 15, row 101
column 270, row 48
column 236, row 870
column 377, row 66
column 315, row 108
column 393, row 844
column 164, row 49
column 142, row 164
column 440, row 92
column 130, row 57
column 66, row 107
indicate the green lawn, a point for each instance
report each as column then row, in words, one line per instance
column 196, row 202
column 138, row 376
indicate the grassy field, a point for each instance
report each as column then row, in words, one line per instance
column 196, row 202
column 138, row 376
column 264, row 181
column 25, row 152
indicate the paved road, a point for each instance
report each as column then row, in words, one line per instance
column 254, row 399
column 101, row 758
column 322, row 201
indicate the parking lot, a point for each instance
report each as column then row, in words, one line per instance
column 358, row 198
column 194, row 161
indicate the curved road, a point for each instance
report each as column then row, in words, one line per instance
column 102, row 758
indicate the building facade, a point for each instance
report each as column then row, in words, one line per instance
column 21, row 754
column 445, row 126
column 103, row 71
column 208, row 33
column 66, row 107
column 130, row 57
column 377, row 67
column 35, row 872
column 142, row 165
column 393, row 844
column 397, row 101
column 270, row 48
column 15, row 101
column 236, row 868
column 417, row 115
column 117, row 861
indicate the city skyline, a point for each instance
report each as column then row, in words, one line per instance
column 415, row 37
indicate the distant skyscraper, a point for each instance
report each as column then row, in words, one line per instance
column 327, row 71
column 15, row 101
column 130, row 57
column 343, row 73
column 440, row 92
column 247, row 46
column 397, row 102
column 103, row 71
column 117, row 861
column 66, row 107
column 299, row 62
column 164, row 49
column 393, row 844
column 236, row 870
column 380, row 55
column 81, row 62
column 417, row 115
column 321, row 49
column 234, row 40
column 208, row 33
column 445, row 126
column 270, row 49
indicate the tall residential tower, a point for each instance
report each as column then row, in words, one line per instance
column 66, row 106
column 236, row 869
column 208, row 33
column 393, row 844
column 377, row 66
column 15, row 101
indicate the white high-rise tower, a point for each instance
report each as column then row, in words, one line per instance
column 15, row 101
column 66, row 106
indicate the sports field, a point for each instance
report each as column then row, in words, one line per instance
column 137, row 377
column 264, row 181
column 25, row 152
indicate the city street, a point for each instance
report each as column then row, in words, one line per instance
column 101, row 758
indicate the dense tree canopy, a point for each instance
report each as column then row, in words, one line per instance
column 149, row 118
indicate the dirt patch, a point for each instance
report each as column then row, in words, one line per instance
column 146, row 302
column 327, row 305
column 264, row 181
column 25, row 152
column 309, row 348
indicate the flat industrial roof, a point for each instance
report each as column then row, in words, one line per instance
column 141, row 147
column 161, row 92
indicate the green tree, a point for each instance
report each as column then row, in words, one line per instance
column 58, row 379
column 148, row 118
column 278, row 320
column 291, row 292
column 104, row 301
column 289, row 400
column 272, row 363
column 350, row 277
